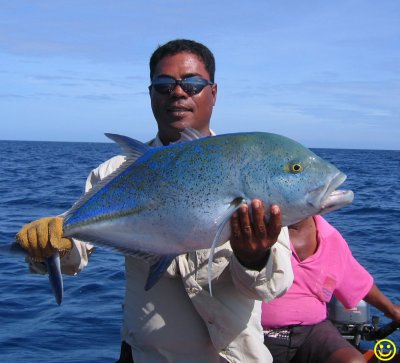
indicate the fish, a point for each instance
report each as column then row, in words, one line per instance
column 166, row 201
column 171, row 200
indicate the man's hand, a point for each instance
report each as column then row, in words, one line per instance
column 378, row 299
column 252, row 239
column 42, row 237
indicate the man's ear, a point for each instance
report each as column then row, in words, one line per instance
column 214, row 89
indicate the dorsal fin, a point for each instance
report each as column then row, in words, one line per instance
column 131, row 148
column 190, row 134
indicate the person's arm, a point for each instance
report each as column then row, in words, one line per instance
column 376, row 298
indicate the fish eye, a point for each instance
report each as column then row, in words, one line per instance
column 294, row 168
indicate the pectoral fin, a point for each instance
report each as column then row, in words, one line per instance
column 221, row 221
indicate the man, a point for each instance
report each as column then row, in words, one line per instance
column 178, row 320
column 295, row 325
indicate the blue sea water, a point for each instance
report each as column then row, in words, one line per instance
column 40, row 179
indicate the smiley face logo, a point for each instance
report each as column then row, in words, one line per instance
column 385, row 350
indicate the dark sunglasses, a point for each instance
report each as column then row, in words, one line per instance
column 191, row 85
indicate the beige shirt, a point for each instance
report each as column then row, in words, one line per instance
column 177, row 320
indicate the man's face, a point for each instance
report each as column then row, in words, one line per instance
column 176, row 111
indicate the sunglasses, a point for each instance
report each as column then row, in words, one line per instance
column 191, row 85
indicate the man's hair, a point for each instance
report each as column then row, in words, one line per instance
column 184, row 45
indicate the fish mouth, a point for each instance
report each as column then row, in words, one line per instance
column 331, row 198
column 337, row 199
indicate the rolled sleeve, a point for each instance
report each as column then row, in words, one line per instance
column 77, row 259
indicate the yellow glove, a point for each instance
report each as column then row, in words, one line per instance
column 40, row 238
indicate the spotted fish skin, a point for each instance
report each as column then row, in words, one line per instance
column 178, row 198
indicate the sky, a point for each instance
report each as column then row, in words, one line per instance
column 325, row 73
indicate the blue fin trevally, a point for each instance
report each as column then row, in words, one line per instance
column 166, row 201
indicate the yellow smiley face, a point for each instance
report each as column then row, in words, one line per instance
column 385, row 350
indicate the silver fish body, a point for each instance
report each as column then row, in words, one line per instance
column 167, row 201
column 176, row 199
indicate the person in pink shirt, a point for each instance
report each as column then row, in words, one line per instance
column 295, row 325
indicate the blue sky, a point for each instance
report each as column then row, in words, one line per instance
column 326, row 73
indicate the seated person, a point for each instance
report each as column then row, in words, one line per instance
column 295, row 325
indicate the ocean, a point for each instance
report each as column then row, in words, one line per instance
column 40, row 179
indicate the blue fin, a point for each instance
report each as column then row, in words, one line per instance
column 52, row 263
column 130, row 147
column 157, row 269
column 222, row 221
column 190, row 134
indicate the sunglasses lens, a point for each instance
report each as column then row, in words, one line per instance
column 190, row 85
column 164, row 85
column 193, row 85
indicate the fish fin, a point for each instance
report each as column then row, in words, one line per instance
column 190, row 134
column 131, row 148
column 55, row 278
column 157, row 269
column 222, row 221
column 158, row 264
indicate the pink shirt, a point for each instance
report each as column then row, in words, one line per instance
column 331, row 269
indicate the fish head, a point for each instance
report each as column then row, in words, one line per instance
column 300, row 182
column 327, row 197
